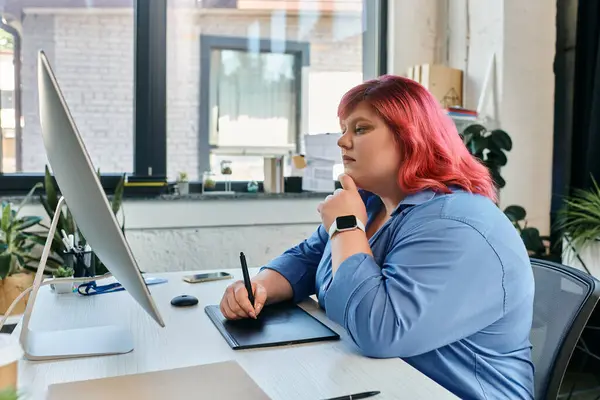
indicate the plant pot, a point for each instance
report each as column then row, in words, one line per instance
column 62, row 287
column 589, row 254
column 11, row 287
column 183, row 188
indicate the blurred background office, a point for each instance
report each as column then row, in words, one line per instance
column 207, row 119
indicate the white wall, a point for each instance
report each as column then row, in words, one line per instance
column 527, row 107
column 470, row 33
column 177, row 235
column 415, row 33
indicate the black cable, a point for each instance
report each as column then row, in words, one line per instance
column 577, row 255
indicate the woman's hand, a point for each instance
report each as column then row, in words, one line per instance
column 236, row 305
column 346, row 201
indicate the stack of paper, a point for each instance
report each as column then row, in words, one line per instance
column 322, row 153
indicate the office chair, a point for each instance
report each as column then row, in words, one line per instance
column 565, row 298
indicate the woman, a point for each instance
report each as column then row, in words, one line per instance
column 439, row 276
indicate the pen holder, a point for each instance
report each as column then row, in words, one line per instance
column 82, row 263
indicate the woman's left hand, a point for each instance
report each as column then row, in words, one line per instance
column 345, row 201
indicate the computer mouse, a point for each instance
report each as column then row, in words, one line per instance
column 184, row 300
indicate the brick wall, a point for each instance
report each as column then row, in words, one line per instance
column 92, row 54
column 37, row 35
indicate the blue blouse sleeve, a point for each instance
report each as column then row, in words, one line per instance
column 299, row 264
column 438, row 284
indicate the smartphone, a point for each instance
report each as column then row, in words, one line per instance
column 207, row 277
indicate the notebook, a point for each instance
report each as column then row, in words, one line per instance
column 209, row 381
column 276, row 325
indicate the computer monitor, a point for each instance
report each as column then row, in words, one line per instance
column 80, row 187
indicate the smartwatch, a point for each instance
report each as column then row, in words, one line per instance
column 346, row 223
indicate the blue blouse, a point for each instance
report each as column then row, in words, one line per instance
column 449, row 289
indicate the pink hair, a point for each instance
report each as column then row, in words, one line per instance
column 433, row 154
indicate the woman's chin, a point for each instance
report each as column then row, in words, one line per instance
column 348, row 169
column 355, row 177
column 349, row 172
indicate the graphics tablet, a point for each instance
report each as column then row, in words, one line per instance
column 277, row 324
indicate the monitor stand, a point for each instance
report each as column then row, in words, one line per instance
column 71, row 343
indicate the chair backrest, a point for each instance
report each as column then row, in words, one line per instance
column 565, row 298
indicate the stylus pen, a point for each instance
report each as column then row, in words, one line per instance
column 355, row 396
column 247, row 282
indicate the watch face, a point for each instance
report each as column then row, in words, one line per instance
column 346, row 222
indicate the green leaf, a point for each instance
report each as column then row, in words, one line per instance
column 477, row 145
column 27, row 222
column 51, row 266
column 515, row 213
column 5, row 260
column 62, row 223
column 579, row 218
column 70, row 223
column 118, row 196
column 501, row 139
column 6, row 218
column 498, row 180
column 49, row 211
column 497, row 158
column 9, row 394
column 57, row 245
column 474, row 130
column 26, row 199
column 51, row 195
column 28, row 247
column 50, row 260
column 20, row 259
column 123, row 224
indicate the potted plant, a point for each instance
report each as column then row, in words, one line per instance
column 49, row 200
column 209, row 182
column 17, row 255
column 62, row 287
column 579, row 222
column 489, row 147
column 183, row 185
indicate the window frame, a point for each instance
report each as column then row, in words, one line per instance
column 150, row 98
column 149, row 133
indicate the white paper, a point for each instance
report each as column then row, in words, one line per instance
column 318, row 176
column 323, row 147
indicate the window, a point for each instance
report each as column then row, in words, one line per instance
column 247, row 79
column 8, row 162
column 166, row 86
column 91, row 48
column 253, row 102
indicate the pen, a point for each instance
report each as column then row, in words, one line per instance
column 356, row 396
column 246, row 278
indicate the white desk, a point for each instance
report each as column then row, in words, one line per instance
column 303, row 372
